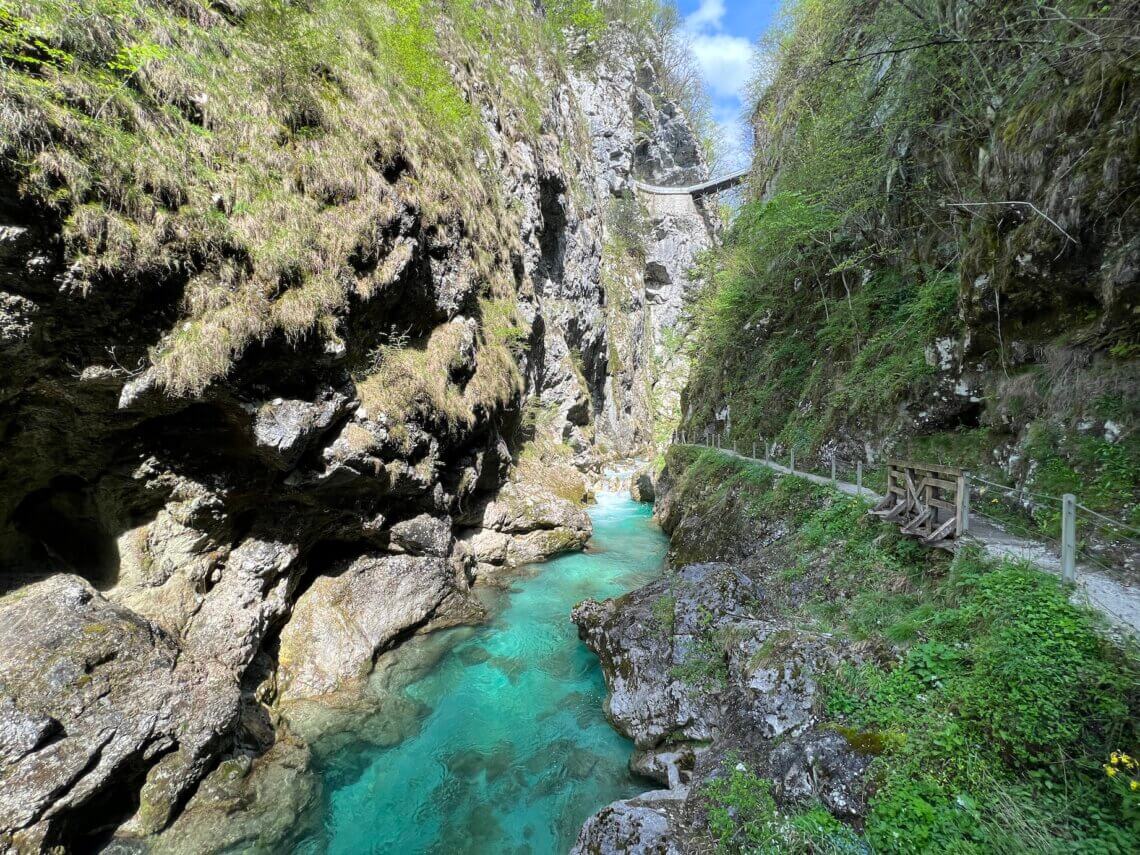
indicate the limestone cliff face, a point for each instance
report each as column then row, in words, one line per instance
column 182, row 566
column 639, row 134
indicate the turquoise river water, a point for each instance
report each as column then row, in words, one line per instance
column 508, row 751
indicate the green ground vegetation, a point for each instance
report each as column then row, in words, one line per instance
column 999, row 716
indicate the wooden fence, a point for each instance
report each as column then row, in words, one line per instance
column 928, row 501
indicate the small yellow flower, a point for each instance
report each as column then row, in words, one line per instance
column 1114, row 758
column 1111, row 771
column 1134, row 785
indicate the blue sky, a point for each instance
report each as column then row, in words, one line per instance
column 722, row 33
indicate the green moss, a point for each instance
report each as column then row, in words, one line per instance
column 663, row 609
column 873, row 742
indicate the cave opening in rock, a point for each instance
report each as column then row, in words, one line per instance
column 63, row 530
column 552, row 236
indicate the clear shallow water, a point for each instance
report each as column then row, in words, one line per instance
column 510, row 752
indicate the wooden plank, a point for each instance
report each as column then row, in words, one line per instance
column 939, row 503
column 940, row 483
column 895, row 512
column 916, row 522
column 927, row 467
column 912, row 493
column 942, row 531
column 962, row 511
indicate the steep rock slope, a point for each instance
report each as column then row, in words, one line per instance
column 286, row 296
column 939, row 256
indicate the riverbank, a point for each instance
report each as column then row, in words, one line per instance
column 805, row 675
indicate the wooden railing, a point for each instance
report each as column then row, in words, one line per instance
column 928, row 501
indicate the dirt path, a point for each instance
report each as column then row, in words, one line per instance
column 1116, row 599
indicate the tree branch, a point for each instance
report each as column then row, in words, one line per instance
column 937, row 42
column 1037, row 210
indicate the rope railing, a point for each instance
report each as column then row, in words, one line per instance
column 1116, row 524
column 1022, row 491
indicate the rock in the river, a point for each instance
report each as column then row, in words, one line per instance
column 641, row 489
column 639, row 826
column 346, row 618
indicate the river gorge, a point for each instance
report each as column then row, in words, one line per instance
column 505, row 747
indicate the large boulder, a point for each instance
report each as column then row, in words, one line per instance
column 524, row 523
column 641, row 488
column 88, row 694
column 702, row 674
column 654, row 647
column 644, row 825
column 345, row 618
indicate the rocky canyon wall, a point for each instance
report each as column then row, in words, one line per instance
column 235, row 473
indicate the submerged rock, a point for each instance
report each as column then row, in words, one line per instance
column 262, row 803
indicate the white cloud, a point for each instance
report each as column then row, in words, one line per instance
column 707, row 16
column 726, row 63
column 735, row 136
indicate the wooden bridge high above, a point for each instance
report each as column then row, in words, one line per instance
column 705, row 188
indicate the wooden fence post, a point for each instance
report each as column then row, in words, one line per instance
column 1069, row 537
column 833, row 482
column 963, row 504
column 858, row 478
column 793, row 466
column 753, row 450
column 768, row 451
